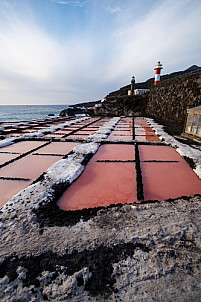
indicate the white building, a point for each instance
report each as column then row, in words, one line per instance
column 140, row 91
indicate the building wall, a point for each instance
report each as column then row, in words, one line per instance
column 170, row 99
column 140, row 91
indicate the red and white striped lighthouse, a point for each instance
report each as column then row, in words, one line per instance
column 158, row 68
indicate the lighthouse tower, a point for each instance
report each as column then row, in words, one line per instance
column 157, row 69
column 132, row 85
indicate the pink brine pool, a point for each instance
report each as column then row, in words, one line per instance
column 169, row 180
column 101, row 184
column 147, row 138
column 57, row 148
column 115, row 152
column 104, row 183
column 29, row 167
column 6, row 157
column 120, row 137
column 9, row 188
column 22, row 147
column 160, row 153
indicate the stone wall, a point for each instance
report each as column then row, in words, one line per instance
column 170, row 99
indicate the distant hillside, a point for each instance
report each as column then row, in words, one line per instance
column 178, row 73
column 85, row 104
column 124, row 90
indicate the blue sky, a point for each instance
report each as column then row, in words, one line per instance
column 70, row 51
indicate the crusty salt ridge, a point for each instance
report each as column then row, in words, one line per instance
column 105, row 130
column 182, row 149
column 7, row 141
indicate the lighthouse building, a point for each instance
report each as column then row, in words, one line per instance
column 157, row 69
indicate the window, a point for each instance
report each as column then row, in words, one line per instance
column 189, row 122
column 194, row 124
column 193, row 121
column 199, row 126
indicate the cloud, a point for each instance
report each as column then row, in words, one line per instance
column 168, row 33
column 69, row 2
column 37, row 67
column 34, row 64
column 113, row 10
column 25, row 51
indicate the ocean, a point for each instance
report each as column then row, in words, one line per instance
column 15, row 113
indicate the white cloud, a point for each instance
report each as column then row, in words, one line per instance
column 38, row 68
column 113, row 10
column 35, row 67
column 69, row 2
column 169, row 33
column 27, row 52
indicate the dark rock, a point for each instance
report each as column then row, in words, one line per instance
column 72, row 111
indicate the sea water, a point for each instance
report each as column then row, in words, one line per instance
column 12, row 113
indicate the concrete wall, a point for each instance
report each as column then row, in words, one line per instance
column 169, row 100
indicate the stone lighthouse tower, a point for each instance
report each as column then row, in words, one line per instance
column 157, row 69
column 132, row 85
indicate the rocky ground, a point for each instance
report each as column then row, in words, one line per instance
column 139, row 252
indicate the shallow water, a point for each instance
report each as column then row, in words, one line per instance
column 101, row 184
column 57, row 148
column 115, row 152
column 22, row 147
column 29, row 167
column 169, row 180
column 104, row 183
column 9, row 188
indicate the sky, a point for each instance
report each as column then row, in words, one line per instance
column 72, row 51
